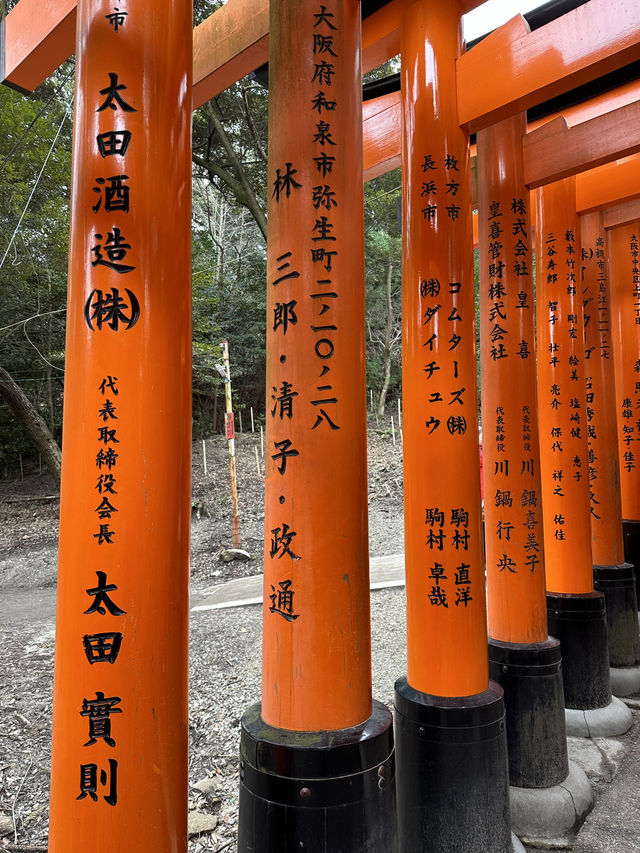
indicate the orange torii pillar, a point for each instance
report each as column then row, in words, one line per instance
column 523, row 658
column 612, row 576
column 625, row 314
column 119, row 763
column 317, row 760
column 452, row 777
column 576, row 613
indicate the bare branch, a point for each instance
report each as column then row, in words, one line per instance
column 29, row 319
column 241, row 187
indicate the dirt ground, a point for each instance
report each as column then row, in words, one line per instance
column 224, row 652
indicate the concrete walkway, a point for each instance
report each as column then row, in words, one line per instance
column 385, row 572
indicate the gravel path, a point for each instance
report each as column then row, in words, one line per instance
column 224, row 653
column 225, row 645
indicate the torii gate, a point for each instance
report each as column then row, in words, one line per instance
column 565, row 53
column 35, row 39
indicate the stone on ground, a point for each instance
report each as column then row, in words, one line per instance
column 200, row 822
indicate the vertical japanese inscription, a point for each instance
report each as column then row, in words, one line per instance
column 512, row 513
column 315, row 189
column 315, row 526
column 561, row 392
column 443, row 544
column 597, row 350
column 629, row 405
column 108, row 309
column 120, row 685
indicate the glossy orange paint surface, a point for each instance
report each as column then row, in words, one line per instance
column 382, row 123
column 516, row 594
column 556, row 151
column 625, row 325
column 561, row 392
column 38, row 37
column 604, row 473
column 613, row 99
column 119, row 763
column 228, row 45
column 316, row 647
column 446, row 611
column 512, row 70
column 557, row 146
column 614, row 183
column 621, row 214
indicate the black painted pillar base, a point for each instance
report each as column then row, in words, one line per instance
column 531, row 677
column 631, row 540
column 452, row 778
column 618, row 585
column 579, row 622
column 317, row 792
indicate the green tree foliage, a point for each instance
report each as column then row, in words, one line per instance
column 34, row 220
column 383, row 253
column 229, row 254
column 229, row 249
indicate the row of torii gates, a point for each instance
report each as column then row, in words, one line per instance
column 319, row 770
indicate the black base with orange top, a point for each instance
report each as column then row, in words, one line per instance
column 579, row 622
column 531, row 676
column 631, row 539
column 618, row 585
column 317, row 792
column 452, row 778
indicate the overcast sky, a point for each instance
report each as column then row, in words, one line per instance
column 493, row 14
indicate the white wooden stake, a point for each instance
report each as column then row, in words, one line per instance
column 204, row 457
column 393, row 432
column 253, row 429
column 261, row 441
column 399, row 413
column 255, row 447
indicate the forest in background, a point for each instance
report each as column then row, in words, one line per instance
column 229, row 229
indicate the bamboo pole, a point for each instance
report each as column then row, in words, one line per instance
column 231, row 435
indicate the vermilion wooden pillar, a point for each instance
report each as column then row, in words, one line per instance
column 576, row 612
column 625, row 315
column 119, row 764
column 446, row 698
column 316, row 723
column 613, row 577
column 523, row 659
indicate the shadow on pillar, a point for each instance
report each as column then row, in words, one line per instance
column 579, row 622
column 618, row 585
column 452, row 780
column 318, row 792
column 631, row 539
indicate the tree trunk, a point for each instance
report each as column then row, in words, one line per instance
column 387, row 347
column 50, row 413
column 33, row 424
column 48, row 366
